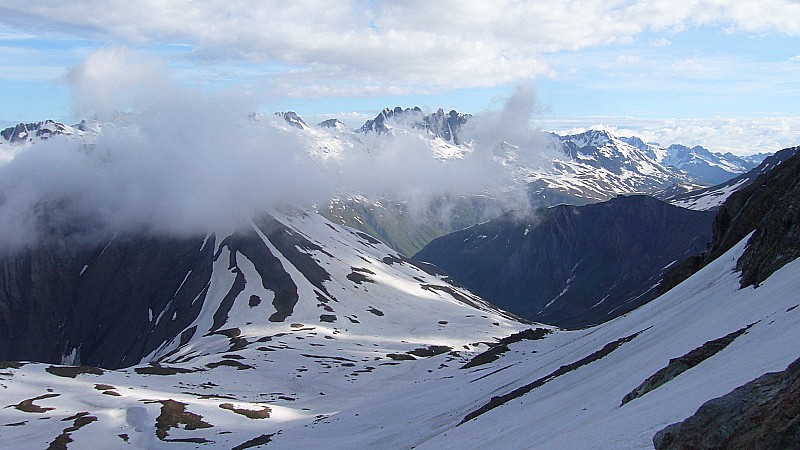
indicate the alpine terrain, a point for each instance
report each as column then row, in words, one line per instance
column 297, row 331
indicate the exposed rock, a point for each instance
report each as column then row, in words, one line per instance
column 770, row 208
column 683, row 363
column 763, row 414
column 74, row 299
column 500, row 347
column 522, row 390
column 27, row 132
column 439, row 124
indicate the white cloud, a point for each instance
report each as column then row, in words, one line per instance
column 386, row 45
column 660, row 43
column 628, row 59
column 183, row 161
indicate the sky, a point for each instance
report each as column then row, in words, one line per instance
column 724, row 74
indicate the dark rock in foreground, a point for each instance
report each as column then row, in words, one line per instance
column 763, row 414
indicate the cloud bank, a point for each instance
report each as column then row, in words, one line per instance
column 386, row 46
column 175, row 160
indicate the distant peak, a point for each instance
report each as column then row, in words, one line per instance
column 293, row 119
column 28, row 132
column 439, row 124
column 332, row 123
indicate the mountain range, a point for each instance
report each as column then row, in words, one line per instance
column 298, row 331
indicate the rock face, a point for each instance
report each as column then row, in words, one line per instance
column 28, row 132
column 335, row 124
column 713, row 197
column 109, row 305
column 100, row 304
column 293, row 119
column 705, row 166
column 764, row 414
column 768, row 208
column 572, row 266
column 438, row 124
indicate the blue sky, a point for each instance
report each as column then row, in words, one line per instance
column 723, row 74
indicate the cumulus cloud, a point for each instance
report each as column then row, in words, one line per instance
column 175, row 160
column 390, row 46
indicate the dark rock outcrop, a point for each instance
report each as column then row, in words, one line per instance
column 439, row 124
column 102, row 302
column 572, row 266
column 293, row 119
column 769, row 207
column 27, row 132
column 763, row 414
column 683, row 363
column 111, row 304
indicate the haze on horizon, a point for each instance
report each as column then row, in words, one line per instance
column 722, row 74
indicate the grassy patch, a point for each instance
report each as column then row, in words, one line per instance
column 80, row 420
column 11, row 365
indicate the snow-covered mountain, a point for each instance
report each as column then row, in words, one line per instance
column 711, row 198
column 408, row 360
column 30, row 132
column 699, row 163
column 293, row 119
column 445, row 126
column 577, row 169
column 712, row 168
column 600, row 166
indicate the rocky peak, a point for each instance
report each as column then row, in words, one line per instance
column 769, row 207
column 335, row 124
column 439, row 124
column 293, row 119
column 379, row 125
column 446, row 125
column 28, row 132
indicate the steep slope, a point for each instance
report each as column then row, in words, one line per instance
column 616, row 385
column 597, row 166
column 705, row 166
column 699, row 163
column 766, row 206
column 761, row 414
column 710, row 198
column 316, row 385
column 403, row 359
column 296, row 318
column 29, row 132
column 572, row 266
column 445, row 126
column 112, row 304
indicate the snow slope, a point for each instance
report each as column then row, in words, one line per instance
column 365, row 320
column 581, row 408
column 353, row 384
